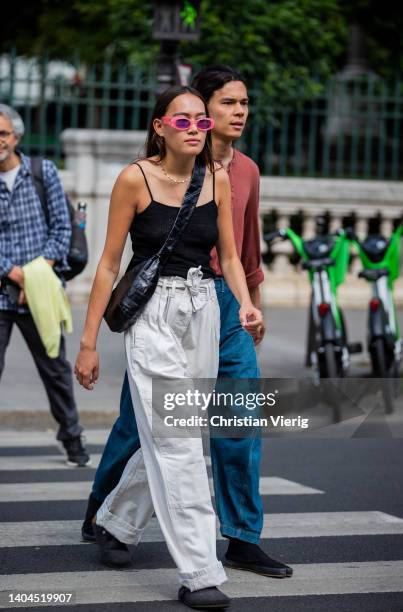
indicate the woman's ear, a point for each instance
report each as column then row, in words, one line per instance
column 157, row 125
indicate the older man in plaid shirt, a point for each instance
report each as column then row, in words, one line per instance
column 25, row 235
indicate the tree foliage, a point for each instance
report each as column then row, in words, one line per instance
column 290, row 46
column 118, row 29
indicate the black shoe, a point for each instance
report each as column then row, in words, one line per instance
column 87, row 530
column 76, row 452
column 209, row 598
column 113, row 552
column 250, row 557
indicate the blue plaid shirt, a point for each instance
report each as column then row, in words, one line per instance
column 24, row 233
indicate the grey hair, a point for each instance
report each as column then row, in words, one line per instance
column 14, row 118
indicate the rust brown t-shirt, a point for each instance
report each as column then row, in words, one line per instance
column 244, row 179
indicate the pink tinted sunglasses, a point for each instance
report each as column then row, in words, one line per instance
column 183, row 123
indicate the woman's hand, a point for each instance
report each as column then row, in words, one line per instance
column 251, row 319
column 87, row 368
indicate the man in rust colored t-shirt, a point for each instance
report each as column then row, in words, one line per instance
column 235, row 461
column 244, row 178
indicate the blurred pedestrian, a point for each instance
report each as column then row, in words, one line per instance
column 25, row 236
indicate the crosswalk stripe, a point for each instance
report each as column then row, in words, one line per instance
column 19, row 439
column 40, row 462
column 282, row 525
column 46, row 462
column 161, row 584
column 269, row 485
column 56, row 491
column 273, row 485
column 45, row 491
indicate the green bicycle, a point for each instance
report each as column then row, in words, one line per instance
column 380, row 258
column 326, row 258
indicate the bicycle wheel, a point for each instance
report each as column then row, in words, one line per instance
column 328, row 361
column 381, row 371
column 329, row 369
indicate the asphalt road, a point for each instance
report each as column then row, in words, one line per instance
column 333, row 511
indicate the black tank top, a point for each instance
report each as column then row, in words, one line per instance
column 150, row 229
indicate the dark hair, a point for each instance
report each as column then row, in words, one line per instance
column 212, row 78
column 155, row 144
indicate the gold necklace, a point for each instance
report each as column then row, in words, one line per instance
column 171, row 178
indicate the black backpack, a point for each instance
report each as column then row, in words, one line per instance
column 77, row 257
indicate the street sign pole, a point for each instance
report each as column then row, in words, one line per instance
column 174, row 21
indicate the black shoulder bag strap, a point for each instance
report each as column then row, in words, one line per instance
column 37, row 177
column 184, row 214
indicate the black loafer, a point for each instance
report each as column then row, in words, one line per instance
column 113, row 553
column 269, row 567
column 250, row 557
column 87, row 530
column 209, row 598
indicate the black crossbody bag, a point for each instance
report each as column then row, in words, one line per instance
column 139, row 282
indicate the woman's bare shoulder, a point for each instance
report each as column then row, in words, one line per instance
column 133, row 172
column 130, row 177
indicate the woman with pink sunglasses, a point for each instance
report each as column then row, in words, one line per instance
column 176, row 336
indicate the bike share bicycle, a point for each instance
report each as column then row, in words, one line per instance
column 380, row 258
column 326, row 258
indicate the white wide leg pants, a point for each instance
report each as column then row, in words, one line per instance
column 177, row 336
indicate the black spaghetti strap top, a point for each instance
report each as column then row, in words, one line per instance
column 150, row 229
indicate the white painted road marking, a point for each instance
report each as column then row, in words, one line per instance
column 285, row 525
column 160, row 584
column 57, row 491
column 18, row 439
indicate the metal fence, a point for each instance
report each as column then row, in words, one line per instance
column 351, row 130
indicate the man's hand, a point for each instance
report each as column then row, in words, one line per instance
column 51, row 262
column 256, row 299
column 17, row 276
column 22, row 298
column 251, row 319
column 259, row 334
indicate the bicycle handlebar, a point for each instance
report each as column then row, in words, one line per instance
column 282, row 233
column 351, row 235
column 273, row 235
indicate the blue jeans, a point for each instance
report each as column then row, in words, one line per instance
column 235, row 461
